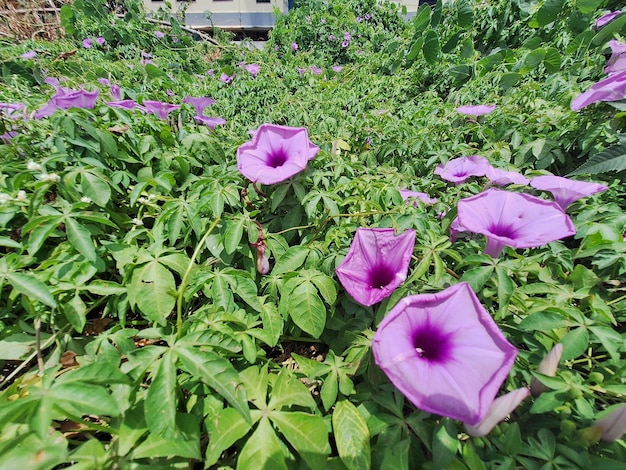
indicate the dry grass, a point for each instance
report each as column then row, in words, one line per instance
column 29, row 19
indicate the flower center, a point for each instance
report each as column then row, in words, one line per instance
column 432, row 344
column 502, row 231
column 277, row 158
column 381, row 276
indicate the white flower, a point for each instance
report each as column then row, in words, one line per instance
column 4, row 198
column 21, row 195
column 85, row 199
column 32, row 166
column 50, row 177
column 137, row 222
column 142, row 200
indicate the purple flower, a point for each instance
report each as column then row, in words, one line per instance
column 337, row 68
column 12, row 110
column 323, row 20
column 116, row 92
column 159, row 108
column 513, row 219
column 612, row 88
column 445, row 353
column 547, row 366
column 210, row 72
column 199, row 104
column 407, row 195
column 613, row 424
column 123, row 104
column 175, row 39
column 315, row 70
column 226, row 78
column 7, row 136
column 503, row 177
column 476, row 110
column 101, row 41
column 376, row 264
column 294, row 46
column 170, row 93
column 564, row 190
column 498, row 411
column 359, row 19
column 367, row 16
column 87, row 43
column 253, row 69
column 103, row 81
column 617, row 61
column 605, row 19
column 459, row 169
column 75, row 99
column 159, row 34
column 345, row 43
column 210, row 122
column 307, row 18
column 275, row 153
column 28, row 55
column 347, row 36
column 332, row 37
column 301, row 71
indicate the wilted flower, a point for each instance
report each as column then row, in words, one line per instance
column 564, row 190
column 613, row 424
column 503, row 177
column 408, row 195
column 332, row 37
column 347, row 36
column 376, row 264
column 137, row 222
column 445, row 353
column 11, row 110
column 459, row 169
column 612, row 88
column 606, row 19
column 199, row 104
column 226, row 78
column 85, row 199
column 7, row 136
column 275, row 153
column 547, row 366
column 116, row 92
column 617, row 61
column 21, row 195
column 210, row 122
column 253, row 69
column 28, row 55
column 476, row 110
column 513, row 219
column 498, row 411
column 301, row 71
column 159, row 108
column 87, row 43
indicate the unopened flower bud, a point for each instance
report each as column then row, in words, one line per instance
column 547, row 366
column 499, row 410
column 613, row 424
column 32, row 166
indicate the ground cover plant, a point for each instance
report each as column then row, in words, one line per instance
column 375, row 243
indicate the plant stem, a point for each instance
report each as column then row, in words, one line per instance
column 38, row 344
column 183, row 282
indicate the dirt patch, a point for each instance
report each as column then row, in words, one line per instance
column 31, row 19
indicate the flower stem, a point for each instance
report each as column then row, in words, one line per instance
column 184, row 280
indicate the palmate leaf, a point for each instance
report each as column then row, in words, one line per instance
column 352, row 436
column 263, row 450
column 611, row 159
column 160, row 404
column 307, row 433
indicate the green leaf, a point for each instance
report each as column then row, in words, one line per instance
column 291, row 260
column 76, row 312
column 445, row 443
column 548, row 12
column 80, row 398
column 306, row 309
column 160, row 402
column 588, row 6
column 575, row 343
column 325, row 285
column 31, row 287
column 272, row 323
column 227, row 427
column 611, row 159
column 543, row 321
column 431, row 47
column 217, row 373
column 509, row 79
column 95, row 188
column 552, row 60
column 80, row 239
column 262, row 451
column 288, row 391
column 465, row 13
column 185, row 441
column 610, row 339
column 152, row 288
column 352, row 436
column 307, row 433
column 477, row 277
column 233, row 234
column 608, row 31
column 421, row 18
column 329, row 391
column 548, row 402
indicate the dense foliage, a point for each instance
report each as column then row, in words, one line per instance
column 136, row 330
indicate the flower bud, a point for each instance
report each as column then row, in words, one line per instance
column 499, row 410
column 613, row 424
column 547, row 366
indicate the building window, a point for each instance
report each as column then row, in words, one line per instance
column 263, row 1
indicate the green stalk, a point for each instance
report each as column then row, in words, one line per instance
column 183, row 282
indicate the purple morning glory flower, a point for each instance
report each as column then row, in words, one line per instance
column 87, row 43
column 116, row 92
column 122, row 104
column 294, row 46
column 476, row 110
column 376, row 264
column 226, row 78
column 367, row 16
column 7, row 136
column 101, row 41
column 359, row 19
column 347, row 36
column 407, row 195
column 159, row 34
column 606, row 19
column 103, row 81
column 512, row 219
column 345, row 43
column 564, row 190
column 301, row 71
column 612, row 88
column 12, row 110
column 503, row 177
column 459, row 169
column 332, row 37
column 199, row 103
column 323, row 20
column 445, row 353
column 617, row 61
column 337, row 68
column 315, row 70
column 275, row 153
column 210, row 122
column 612, row 425
column 498, row 411
column 253, row 69
column 28, row 55
column 159, row 108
